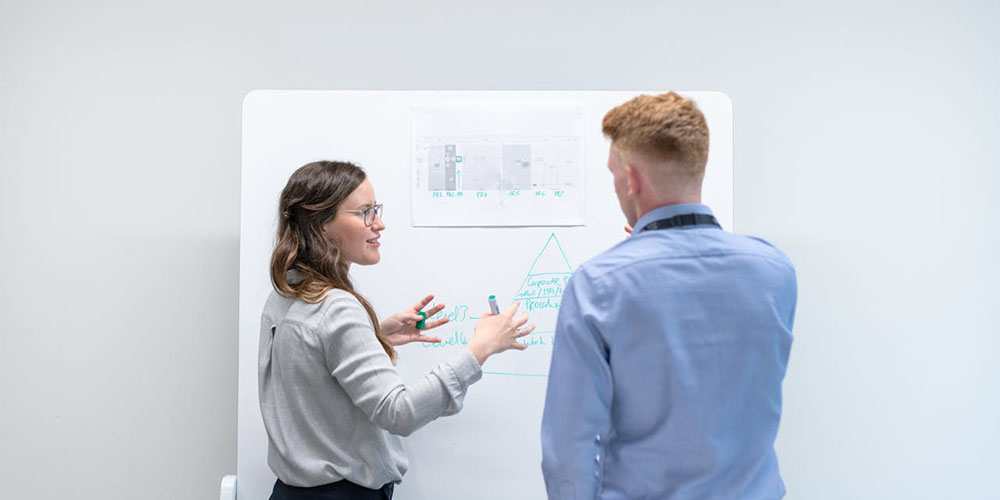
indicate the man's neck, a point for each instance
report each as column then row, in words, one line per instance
column 646, row 206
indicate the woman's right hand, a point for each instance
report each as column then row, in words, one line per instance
column 496, row 333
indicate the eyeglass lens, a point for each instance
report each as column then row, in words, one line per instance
column 370, row 213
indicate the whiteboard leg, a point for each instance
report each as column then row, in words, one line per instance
column 228, row 489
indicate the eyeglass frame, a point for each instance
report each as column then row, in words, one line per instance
column 375, row 209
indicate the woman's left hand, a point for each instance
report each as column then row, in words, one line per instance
column 401, row 328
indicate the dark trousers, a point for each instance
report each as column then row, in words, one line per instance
column 341, row 490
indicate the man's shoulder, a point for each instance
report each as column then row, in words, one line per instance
column 755, row 245
column 628, row 252
column 648, row 247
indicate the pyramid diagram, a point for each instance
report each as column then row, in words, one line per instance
column 543, row 287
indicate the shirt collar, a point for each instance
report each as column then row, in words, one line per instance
column 668, row 211
column 294, row 276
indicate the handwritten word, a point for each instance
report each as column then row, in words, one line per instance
column 457, row 338
column 535, row 339
column 547, row 281
column 536, row 304
column 457, row 313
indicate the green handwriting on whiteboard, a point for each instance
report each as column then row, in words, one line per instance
column 542, row 289
column 456, row 313
column 459, row 338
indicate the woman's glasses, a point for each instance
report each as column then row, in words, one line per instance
column 368, row 214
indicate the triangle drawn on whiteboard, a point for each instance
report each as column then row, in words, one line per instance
column 543, row 287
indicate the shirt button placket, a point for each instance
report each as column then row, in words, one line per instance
column 597, row 458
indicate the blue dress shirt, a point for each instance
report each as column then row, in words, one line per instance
column 667, row 363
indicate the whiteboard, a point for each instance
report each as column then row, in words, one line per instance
column 491, row 449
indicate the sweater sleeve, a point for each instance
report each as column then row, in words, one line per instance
column 356, row 359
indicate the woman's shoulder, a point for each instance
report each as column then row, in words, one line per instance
column 336, row 305
column 338, row 299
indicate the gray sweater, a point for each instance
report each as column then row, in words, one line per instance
column 333, row 404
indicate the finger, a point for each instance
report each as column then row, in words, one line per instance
column 519, row 346
column 628, row 229
column 512, row 309
column 521, row 320
column 434, row 310
column 424, row 338
column 526, row 331
column 406, row 318
column 422, row 303
column 434, row 324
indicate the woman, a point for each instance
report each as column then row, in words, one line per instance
column 333, row 403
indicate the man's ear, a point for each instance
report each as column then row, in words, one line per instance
column 634, row 179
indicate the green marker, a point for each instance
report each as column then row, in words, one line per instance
column 494, row 308
column 420, row 324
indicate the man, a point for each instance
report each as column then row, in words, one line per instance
column 670, row 347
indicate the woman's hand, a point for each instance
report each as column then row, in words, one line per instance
column 401, row 328
column 496, row 333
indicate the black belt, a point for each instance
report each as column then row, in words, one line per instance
column 683, row 220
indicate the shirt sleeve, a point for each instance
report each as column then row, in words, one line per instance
column 360, row 365
column 578, row 400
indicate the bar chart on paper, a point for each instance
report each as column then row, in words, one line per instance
column 522, row 166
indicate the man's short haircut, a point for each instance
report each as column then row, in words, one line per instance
column 665, row 127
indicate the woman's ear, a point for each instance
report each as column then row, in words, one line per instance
column 327, row 231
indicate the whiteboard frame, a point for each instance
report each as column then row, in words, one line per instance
column 271, row 150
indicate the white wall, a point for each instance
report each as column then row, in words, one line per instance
column 865, row 146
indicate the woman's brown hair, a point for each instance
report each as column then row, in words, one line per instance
column 311, row 198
